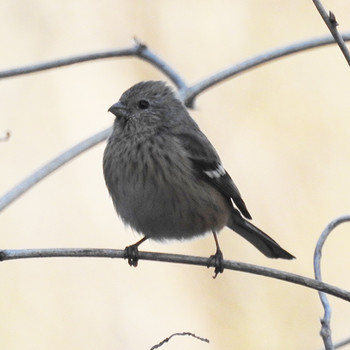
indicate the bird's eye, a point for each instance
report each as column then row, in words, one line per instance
column 143, row 104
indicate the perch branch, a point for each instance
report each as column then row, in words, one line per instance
column 179, row 259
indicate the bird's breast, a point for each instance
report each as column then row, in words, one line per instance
column 155, row 190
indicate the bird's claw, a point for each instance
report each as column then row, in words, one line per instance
column 217, row 261
column 132, row 254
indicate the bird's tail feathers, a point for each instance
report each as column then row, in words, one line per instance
column 258, row 238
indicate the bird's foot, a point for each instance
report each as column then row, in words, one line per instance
column 217, row 261
column 132, row 254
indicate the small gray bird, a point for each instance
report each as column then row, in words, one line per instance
column 166, row 179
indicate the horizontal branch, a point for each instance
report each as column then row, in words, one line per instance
column 178, row 259
column 187, row 94
column 137, row 50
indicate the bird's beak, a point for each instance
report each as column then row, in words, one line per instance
column 118, row 109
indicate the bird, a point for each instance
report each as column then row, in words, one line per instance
column 165, row 178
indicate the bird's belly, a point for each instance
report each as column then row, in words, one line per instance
column 170, row 212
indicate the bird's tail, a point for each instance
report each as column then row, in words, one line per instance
column 255, row 236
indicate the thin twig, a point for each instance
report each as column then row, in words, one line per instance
column 325, row 322
column 62, row 62
column 332, row 24
column 178, row 334
column 137, row 50
column 146, row 54
column 178, row 259
column 340, row 343
column 190, row 94
column 51, row 166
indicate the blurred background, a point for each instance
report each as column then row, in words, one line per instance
column 282, row 131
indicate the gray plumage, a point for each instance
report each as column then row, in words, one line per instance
column 164, row 176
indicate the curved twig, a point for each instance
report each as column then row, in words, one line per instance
column 190, row 94
column 325, row 322
column 179, row 259
column 144, row 53
column 179, row 334
column 51, row 166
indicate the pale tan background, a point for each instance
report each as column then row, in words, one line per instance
column 282, row 131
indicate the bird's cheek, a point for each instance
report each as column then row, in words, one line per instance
column 123, row 114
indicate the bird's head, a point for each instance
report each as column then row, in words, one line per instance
column 148, row 104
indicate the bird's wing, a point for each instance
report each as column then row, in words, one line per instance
column 208, row 166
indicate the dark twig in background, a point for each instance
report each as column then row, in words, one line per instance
column 179, row 334
column 325, row 322
column 15, row 254
column 332, row 24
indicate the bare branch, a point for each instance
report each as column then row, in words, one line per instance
column 147, row 55
column 137, row 50
column 51, row 166
column 190, row 94
column 62, row 62
column 332, row 24
column 178, row 334
column 178, row 259
column 326, row 329
column 340, row 344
